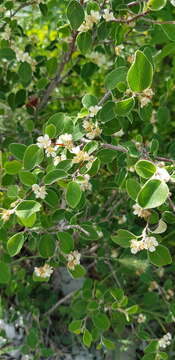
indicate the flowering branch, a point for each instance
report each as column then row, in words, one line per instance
column 115, row 147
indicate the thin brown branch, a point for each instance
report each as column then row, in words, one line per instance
column 115, row 147
column 76, row 227
column 58, row 78
column 160, row 158
column 58, row 303
column 159, row 22
column 22, row 6
column 171, row 204
column 127, row 21
column 104, row 98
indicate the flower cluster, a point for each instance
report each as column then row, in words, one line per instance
column 92, row 129
column 65, row 140
column 91, row 19
column 73, row 259
column 80, row 155
column 141, row 318
column 108, row 15
column 58, row 158
column 141, row 212
column 145, row 97
column 98, row 58
column 6, row 214
column 84, row 182
column 43, row 271
column 165, row 340
column 39, row 191
column 147, row 243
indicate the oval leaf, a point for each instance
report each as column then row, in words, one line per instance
column 15, row 243
column 136, row 78
column 73, row 194
column 145, row 168
column 153, row 194
column 161, row 256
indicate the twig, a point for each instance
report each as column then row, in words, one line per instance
column 113, row 273
column 58, row 79
column 77, row 227
column 22, row 6
column 134, row 3
column 159, row 22
column 171, row 204
column 104, row 98
column 58, row 303
column 115, row 147
column 160, row 158
column 127, row 21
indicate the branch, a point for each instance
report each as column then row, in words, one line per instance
column 77, row 227
column 58, row 303
column 134, row 3
column 160, row 158
column 127, row 21
column 115, row 147
column 159, row 22
column 58, row 79
column 22, row 6
column 104, row 98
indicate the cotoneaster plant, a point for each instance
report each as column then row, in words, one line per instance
column 87, row 176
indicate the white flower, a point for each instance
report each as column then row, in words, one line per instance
column 98, row 58
column 150, row 243
column 135, row 246
column 153, row 286
column 81, row 155
column 84, row 182
column 43, row 141
column 165, row 340
column 141, row 318
column 51, row 151
column 122, row 219
column 7, row 33
column 94, row 110
column 140, row 212
column 6, row 214
column 65, row 140
column 39, row 191
column 92, row 129
column 108, row 15
column 118, row 49
column 73, row 259
column 95, row 16
column 57, row 159
column 44, row 271
column 172, row 2
column 145, row 97
column 161, row 174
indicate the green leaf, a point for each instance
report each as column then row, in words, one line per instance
column 53, row 176
column 107, row 155
column 107, row 112
column 161, row 256
column 89, row 100
column 153, row 194
column 84, row 42
column 124, row 107
column 26, row 208
column 115, row 76
column 169, row 30
column 169, row 217
column 58, row 121
column 12, row 191
column 51, row 198
column 75, row 14
column 156, row 5
column 12, row 167
column 27, row 178
column 75, row 326
column 25, row 73
column 145, row 168
column 78, row 272
column 66, row 242
column 149, row 357
column 133, row 188
column 152, row 347
column 7, row 53
column 87, row 338
column 46, row 246
column 29, row 222
column 123, row 238
column 32, row 156
column 110, row 345
column 15, row 244
column 136, row 78
column 50, row 130
column 5, row 273
column 73, row 194
column 17, row 150
column 101, row 321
